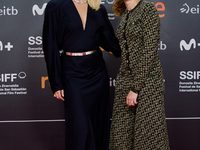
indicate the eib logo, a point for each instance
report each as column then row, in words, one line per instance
column 8, row 11
column 188, row 9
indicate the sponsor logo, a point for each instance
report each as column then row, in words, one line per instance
column 160, row 8
column 36, row 10
column 162, row 46
column 187, row 9
column 10, row 11
column 8, row 46
column 188, row 46
column 44, row 81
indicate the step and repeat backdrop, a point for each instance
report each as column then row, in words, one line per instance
column 31, row 118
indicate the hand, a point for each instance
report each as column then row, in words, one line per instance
column 131, row 99
column 59, row 95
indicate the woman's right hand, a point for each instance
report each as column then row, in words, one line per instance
column 131, row 99
column 59, row 95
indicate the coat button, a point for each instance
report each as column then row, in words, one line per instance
column 129, row 71
column 126, row 61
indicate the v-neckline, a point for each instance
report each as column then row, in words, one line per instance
column 80, row 16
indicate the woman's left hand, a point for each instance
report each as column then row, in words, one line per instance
column 131, row 99
column 59, row 95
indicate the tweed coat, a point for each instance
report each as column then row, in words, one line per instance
column 142, row 127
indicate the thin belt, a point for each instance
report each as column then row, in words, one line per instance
column 80, row 54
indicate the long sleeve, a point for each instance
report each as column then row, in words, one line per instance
column 151, row 34
column 109, row 40
column 51, row 48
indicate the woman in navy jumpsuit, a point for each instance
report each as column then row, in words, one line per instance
column 83, row 78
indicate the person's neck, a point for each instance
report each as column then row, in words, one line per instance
column 130, row 4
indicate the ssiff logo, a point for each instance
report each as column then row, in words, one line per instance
column 8, row 46
column 35, row 40
column 186, row 9
column 38, row 10
column 192, row 44
column 189, row 75
column 12, row 76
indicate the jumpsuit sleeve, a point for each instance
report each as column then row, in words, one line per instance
column 109, row 40
column 51, row 48
column 151, row 34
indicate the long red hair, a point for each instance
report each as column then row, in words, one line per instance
column 119, row 7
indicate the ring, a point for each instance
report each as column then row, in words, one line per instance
column 132, row 102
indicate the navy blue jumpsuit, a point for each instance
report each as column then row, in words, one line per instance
column 83, row 78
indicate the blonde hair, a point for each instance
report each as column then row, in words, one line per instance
column 119, row 7
column 94, row 4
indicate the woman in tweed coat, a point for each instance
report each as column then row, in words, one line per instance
column 138, row 120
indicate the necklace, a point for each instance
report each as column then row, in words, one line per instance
column 80, row 2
